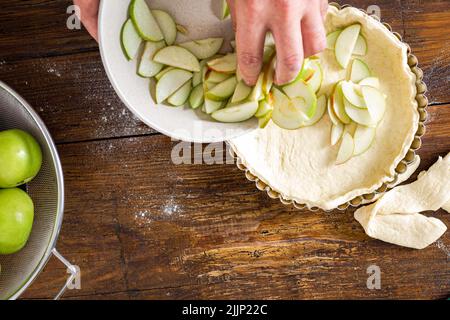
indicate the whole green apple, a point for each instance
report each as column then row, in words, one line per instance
column 16, row 219
column 20, row 158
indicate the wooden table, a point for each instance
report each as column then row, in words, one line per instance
column 141, row 227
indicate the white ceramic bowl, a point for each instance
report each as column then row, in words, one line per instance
column 181, row 123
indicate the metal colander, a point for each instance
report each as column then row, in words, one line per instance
column 47, row 191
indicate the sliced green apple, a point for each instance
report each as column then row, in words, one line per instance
column 345, row 44
column 177, row 57
column 269, row 72
column 360, row 116
column 211, row 105
column 163, row 72
column 315, row 82
column 225, row 64
column 167, row 25
column 264, row 121
column 147, row 67
column 269, row 53
column 144, row 21
column 336, row 133
column 375, row 101
column 301, row 89
column 360, row 71
column 371, row 82
column 236, row 113
column 171, row 82
column 198, row 76
column 223, row 90
column 217, row 77
column 197, row 97
column 350, row 128
column 225, row 10
column 363, row 138
column 351, row 94
column 360, row 46
column 320, row 111
column 288, row 113
column 203, row 49
column 346, row 149
column 263, row 108
column 257, row 92
column 338, row 105
column 331, row 39
column 131, row 41
column 179, row 97
column 182, row 29
column 241, row 92
column 333, row 117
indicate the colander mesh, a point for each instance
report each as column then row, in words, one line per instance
column 18, row 268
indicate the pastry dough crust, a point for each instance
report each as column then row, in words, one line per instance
column 300, row 164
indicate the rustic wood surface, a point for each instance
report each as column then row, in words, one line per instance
column 141, row 227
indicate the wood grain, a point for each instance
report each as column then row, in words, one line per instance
column 139, row 225
column 73, row 96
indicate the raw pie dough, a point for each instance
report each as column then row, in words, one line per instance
column 300, row 164
column 394, row 218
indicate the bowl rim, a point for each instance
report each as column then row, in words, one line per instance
column 422, row 104
column 60, row 185
column 136, row 112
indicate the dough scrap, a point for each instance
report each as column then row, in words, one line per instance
column 395, row 217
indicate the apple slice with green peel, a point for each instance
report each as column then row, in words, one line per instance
column 217, row 77
column 179, row 97
column 375, row 101
column 225, row 10
column 333, row 117
column 147, row 67
column 288, row 113
column 197, row 97
column 371, row 82
column 223, row 90
column 257, row 92
column 225, row 64
column 358, row 115
column 269, row 72
column 360, row 46
column 269, row 53
column 301, row 89
column 263, row 108
column 320, row 111
column 203, row 49
column 331, row 39
column 171, row 82
column 167, row 25
column 351, row 94
column 241, row 93
column 338, row 105
column 144, row 21
column 315, row 82
column 360, row 71
column 264, row 121
column 336, row 133
column 363, row 138
column 177, row 57
column 236, row 113
column 211, row 105
column 131, row 41
column 346, row 149
column 345, row 44
column 163, row 72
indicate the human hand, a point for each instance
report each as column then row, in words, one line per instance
column 89, row 15
column 297, row 26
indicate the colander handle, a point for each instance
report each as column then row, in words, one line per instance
column 70, row 267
